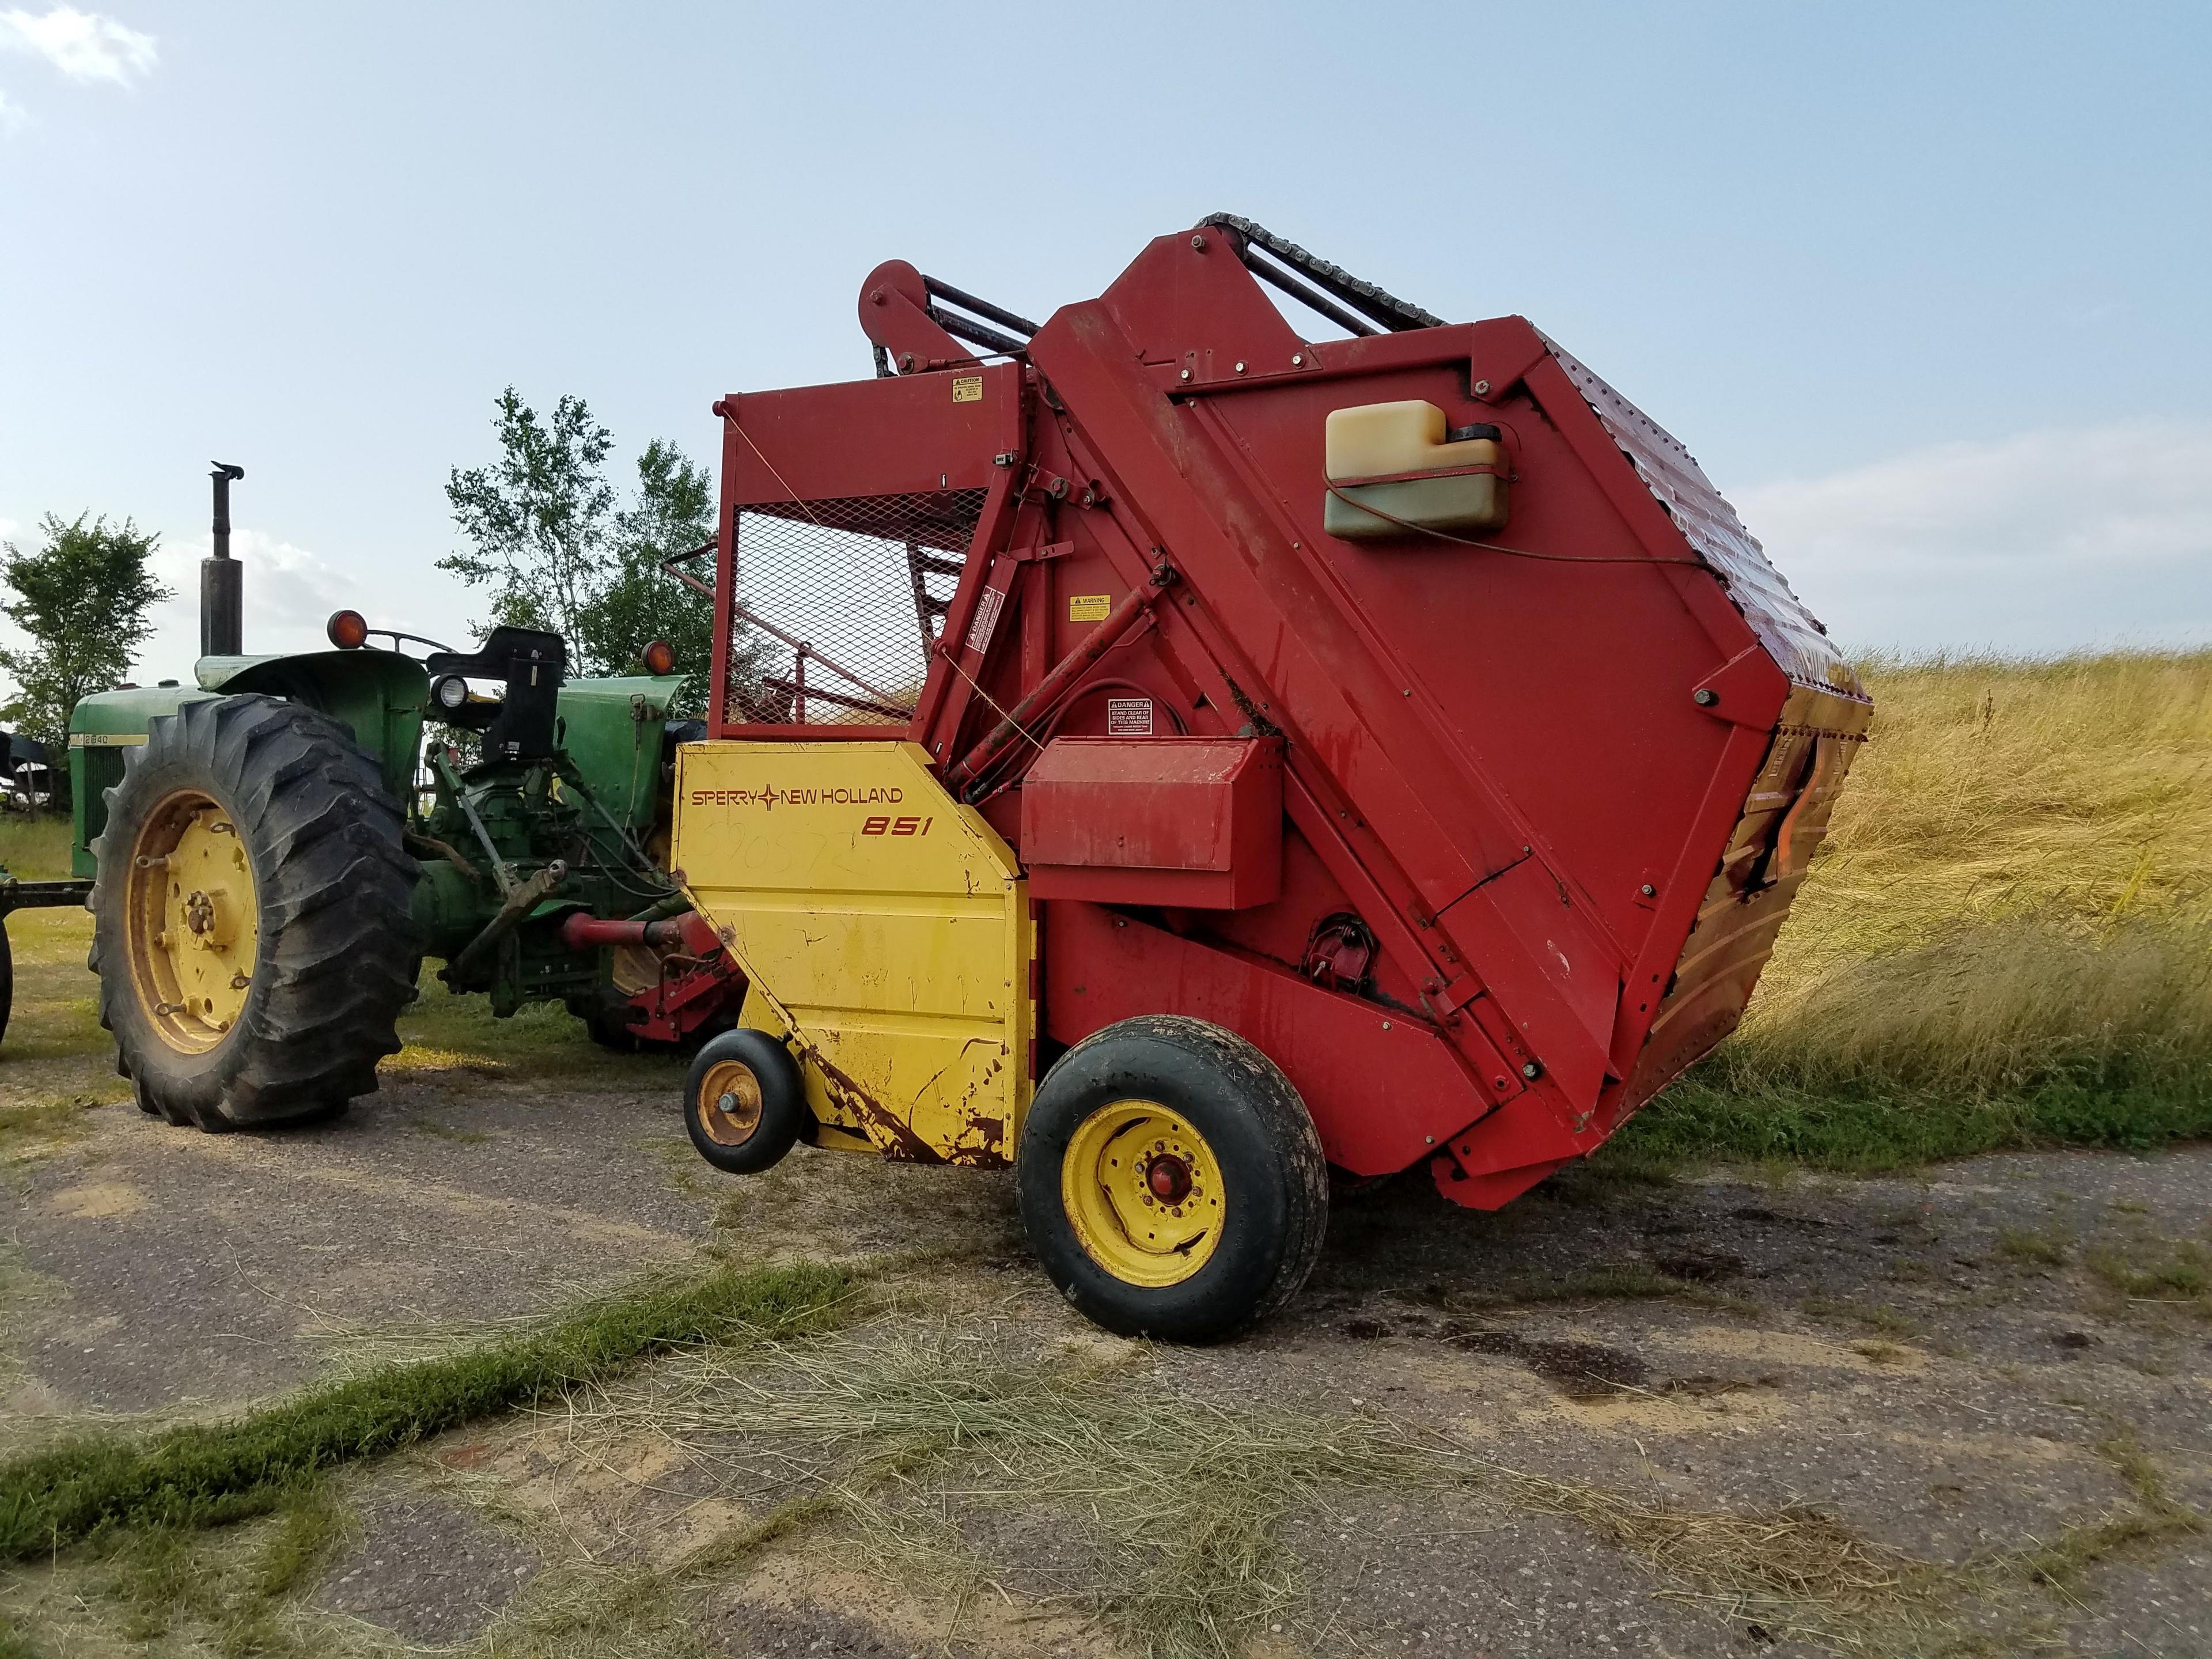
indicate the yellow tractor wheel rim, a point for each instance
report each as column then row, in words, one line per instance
column 1144, row 1192
column 193, row 921
column 729, row 1103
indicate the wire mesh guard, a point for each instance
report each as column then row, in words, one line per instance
column 840, row 603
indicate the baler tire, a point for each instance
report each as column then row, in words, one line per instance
column 329, row 888
column 758, row 1072
column 1234, row 1107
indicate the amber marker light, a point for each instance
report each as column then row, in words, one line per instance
column 347, row 630
column 660, row 658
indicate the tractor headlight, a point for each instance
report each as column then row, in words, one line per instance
column 451, row 693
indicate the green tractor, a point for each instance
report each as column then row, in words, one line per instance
column 276, row 849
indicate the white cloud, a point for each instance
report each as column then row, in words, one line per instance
column 2046, row 541
column 83, row 45
column 13, row 116
column 290, row 592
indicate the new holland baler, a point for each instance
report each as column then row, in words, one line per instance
column 1171, row 756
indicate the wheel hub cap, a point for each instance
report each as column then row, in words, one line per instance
column 1169, row 1178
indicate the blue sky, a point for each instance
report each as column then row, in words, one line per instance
column 1924, row 287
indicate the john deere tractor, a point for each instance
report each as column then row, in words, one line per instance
column 276, row 849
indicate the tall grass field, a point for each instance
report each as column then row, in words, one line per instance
column 2006, row 940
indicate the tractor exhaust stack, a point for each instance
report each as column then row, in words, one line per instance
column 222, row 623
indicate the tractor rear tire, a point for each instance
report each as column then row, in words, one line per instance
column 745, row 1102
column 1171, row 1181
column 7, row 977
column 250, row 921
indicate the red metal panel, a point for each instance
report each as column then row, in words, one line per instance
column 912, row 434
column 1193, row 821
column 1383, row 1089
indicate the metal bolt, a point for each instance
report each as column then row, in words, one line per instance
column 1649, row 891
column 1532, row 1071
column 1705, row 696
column 1199, row 242
column 1386, row 1025
column 1185, row 375
column 1409, row 691
column 1240, row 368
column 726, row 1102
column 1482, row 388
column 239, row 981
column 1429, row 1141
column 1297, row 360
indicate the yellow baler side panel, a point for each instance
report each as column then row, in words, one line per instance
column 881, row 923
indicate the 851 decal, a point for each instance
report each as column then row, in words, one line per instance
column 890, row 826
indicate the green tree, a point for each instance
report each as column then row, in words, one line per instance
column 673, row 512
column 82, row 599
column 557, row 553
column 537, row 516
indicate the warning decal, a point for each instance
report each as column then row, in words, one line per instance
column 1128, row 717
column 987, row 619
column 1089, row 607
column 967, row 388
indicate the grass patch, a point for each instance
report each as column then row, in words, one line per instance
column 2006, row 941
column 56, row 1062
column 233, row 1595
column 931, row 1451
column 437, row 1131
column 2153, row 1516
column 441, row 1031
column 1618, row 1282
column 203, row 1476
column 2039, row 1250
column 2156, row 1271
column 1836, row 1309
column 36, row 851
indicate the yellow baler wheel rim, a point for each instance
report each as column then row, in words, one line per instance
column 1144, row 1192
column 730, row 1103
